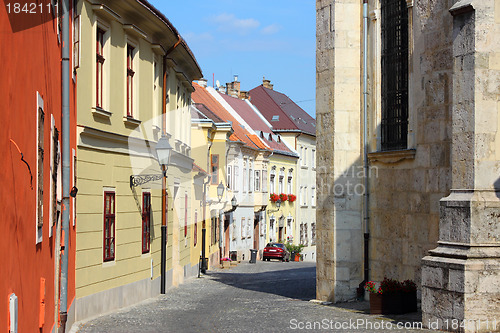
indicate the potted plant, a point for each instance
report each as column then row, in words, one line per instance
column 274, row 197
column 391, row 291
column 294, row 251
column 375, row 297
column 292, row 197
column 226, row 262
column 409, row 296
column 283, row 197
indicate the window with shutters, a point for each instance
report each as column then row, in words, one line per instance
column 109, row 226
column 394, row 57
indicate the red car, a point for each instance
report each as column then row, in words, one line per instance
column 275, row 251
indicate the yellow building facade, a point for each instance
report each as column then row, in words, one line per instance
column 132, row 69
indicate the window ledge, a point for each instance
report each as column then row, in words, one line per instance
column 131, row 121
column 392, row 156
column 100, row 112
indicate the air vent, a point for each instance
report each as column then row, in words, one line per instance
column 275, row 118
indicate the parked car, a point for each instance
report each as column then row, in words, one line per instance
column 275, row 251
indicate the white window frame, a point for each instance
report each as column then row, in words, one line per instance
column 106, row 66
column 135, row 79
column 257, row 180
column 229, row 177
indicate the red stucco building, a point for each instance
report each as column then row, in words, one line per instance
column 30, row 148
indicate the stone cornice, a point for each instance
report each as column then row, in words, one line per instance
column 392, row 156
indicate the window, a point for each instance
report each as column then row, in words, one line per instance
column 289, row 183
column 305, row 234
column 394, row 23
column 245, row 176
column 214, row 168
column 214, row 230
column 109, row 226
column 76, row 39
column 313, row 158
column 271, row 183
column 130, row 81
column 195, row 235
column 185, row 215
column 250, row 177
column 229, row 175
column 313, row 233
column 54, row 176
column 236, row 179
column 146, row 219
column 264, row 180
column 40, row 121
column 243, row 228
column 99, row 67
column 280, row 184
column 313, row 196
column 257, row 180
column 305, row 157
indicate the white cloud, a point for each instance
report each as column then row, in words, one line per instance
column 230, row 23
column 192, row 37
column 271, row 29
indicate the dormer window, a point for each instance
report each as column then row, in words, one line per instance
column 275, row 118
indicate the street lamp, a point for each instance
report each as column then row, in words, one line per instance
column 233, row 202
column 278, row 204
column 220, row 191
column 163, row 152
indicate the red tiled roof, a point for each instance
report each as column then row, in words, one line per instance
column 256, row 123
column 201, row 95
column 281, row 112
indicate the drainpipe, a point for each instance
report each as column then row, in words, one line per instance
column 366, row 212
column 65, row 166
column 172, row 48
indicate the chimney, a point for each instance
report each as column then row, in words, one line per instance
column 267, row 83
column 244, row 95
column 222, row 89
column 202, row 82
column 233, row 88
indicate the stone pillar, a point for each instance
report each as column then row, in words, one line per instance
column 339, row 244
column 461, row 277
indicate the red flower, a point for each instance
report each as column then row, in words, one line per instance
column 292, row 198
column 274, row 197
column 283, row 197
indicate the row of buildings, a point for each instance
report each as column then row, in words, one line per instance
column 408, row 111
column 134, row 173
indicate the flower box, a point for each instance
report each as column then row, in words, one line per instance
column 226, row 264
column 409, row 301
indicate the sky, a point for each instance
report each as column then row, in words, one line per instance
column 252, row 39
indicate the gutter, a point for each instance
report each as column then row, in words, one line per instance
column 63, row 310
column 366, row 195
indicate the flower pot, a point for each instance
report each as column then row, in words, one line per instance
column 391, row 303
column 226, row 264
column 409, row 301
column 297, row 257
column 376, row 303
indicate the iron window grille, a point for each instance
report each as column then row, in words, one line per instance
column 394, row 74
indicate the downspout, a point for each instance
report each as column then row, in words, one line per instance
column 163, row 248
column 65, row 165
column 366, row 212
column 172, row 48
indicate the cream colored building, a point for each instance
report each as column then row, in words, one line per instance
column 410, row 120
column 297, row 130
column 129, row 65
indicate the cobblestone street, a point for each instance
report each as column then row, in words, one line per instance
column 266, row 297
